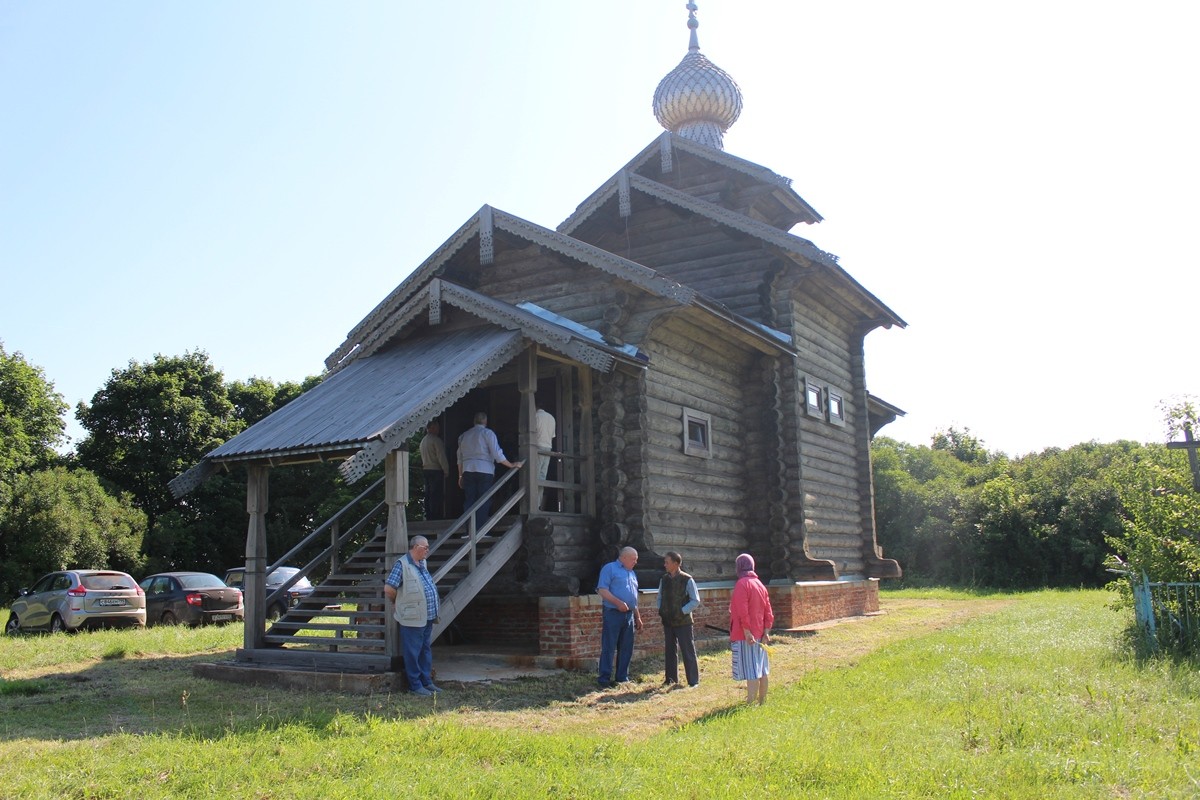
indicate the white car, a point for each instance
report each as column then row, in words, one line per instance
column 78, row 598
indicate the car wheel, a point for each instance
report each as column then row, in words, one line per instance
column 275, row 612
column 56, row 624
column 168, row 618
column 13, row 627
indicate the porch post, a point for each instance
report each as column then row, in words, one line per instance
column 255, row 586
column 587, row 445
column 396, row 545
column 527, row 386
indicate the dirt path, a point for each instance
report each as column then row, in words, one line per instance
column 642, row 708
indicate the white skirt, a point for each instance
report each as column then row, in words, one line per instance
column 750, row 661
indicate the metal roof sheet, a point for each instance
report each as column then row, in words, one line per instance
column 369, row 397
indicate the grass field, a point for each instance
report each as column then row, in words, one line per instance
column 946, row 695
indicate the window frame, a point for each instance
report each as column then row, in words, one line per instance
column 693, row 447
column 835, row 404
column 814, row 397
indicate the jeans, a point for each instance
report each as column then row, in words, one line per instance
column 418, row 654
column 616, row 638
column 475, row 486
column 687, row 646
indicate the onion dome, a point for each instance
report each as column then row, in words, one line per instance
column 697, row 100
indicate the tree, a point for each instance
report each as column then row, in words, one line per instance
column 962, row 445
column 31, row 417
column 151, row 422
column 59, row 518
column 953, row 513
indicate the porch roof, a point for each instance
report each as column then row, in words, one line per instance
column 388, row 395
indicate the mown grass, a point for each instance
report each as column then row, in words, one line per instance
column 946, row 695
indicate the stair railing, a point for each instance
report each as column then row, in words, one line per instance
column 474, row 532
column 334, row 546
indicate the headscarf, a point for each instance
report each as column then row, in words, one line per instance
column 745, row 566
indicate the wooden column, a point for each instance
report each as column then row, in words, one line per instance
column 396, row 497
column 874, row 564
column 527, row 437
column 255, row 587
column 587, row 444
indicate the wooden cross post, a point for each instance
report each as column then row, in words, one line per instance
column 1191, row 445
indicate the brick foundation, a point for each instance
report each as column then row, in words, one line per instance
column 569, row 627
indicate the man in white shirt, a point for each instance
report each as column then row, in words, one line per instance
column 544, row 430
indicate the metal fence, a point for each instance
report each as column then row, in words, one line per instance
column 1168, row 614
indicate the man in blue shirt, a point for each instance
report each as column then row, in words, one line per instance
column 410, row 586
column 478, row 454
column 618, row 588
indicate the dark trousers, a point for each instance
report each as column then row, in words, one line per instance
column 418, row 654
column 616, row 639
column 680, row 635
column 475, row 486
column 435, row 493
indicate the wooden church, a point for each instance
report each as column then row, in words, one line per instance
column 705, row 369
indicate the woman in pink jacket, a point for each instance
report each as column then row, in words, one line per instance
column 750, row 620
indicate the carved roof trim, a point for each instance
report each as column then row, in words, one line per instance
column 409, row 285
column 581, row 344
column 668, row 141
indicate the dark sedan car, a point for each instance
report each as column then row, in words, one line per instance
column 193, row 598
column 300, row 589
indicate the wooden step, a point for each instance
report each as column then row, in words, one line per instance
column 332, row 642
column 329, row 612
column 344, row 627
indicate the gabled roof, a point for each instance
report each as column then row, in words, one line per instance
column 624, row 182
column 569, row 339
column 664, row 148
column 388, row 316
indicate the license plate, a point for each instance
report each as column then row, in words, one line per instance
column 222, row 617
column 110, row 601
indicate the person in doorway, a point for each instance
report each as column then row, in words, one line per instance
column 410, row 586
column 750, row 621
column 436, row 468
column 618, row 588
column 544, row 427
column 478, row 454
column 677, row 598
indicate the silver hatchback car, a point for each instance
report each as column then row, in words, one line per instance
column 78, row 598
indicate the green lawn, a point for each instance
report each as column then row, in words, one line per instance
column 947, row 695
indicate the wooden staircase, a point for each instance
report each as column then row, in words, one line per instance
column 343, row 625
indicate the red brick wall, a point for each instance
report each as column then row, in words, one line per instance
column 569, row 627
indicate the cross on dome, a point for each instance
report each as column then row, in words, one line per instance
column 697, row 100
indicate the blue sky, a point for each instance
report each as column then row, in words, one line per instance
column 1018, row 182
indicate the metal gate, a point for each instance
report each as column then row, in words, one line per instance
column 1168, row 614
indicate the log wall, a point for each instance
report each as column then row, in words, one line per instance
column 826, row 458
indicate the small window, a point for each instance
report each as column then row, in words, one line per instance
column 837, row 407
column 813, row 397
column 697, row 433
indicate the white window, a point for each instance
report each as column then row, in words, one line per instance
column 697, row 433
column 813, row 397
column 837, row 407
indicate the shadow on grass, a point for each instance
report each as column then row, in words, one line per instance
column 122, row 693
